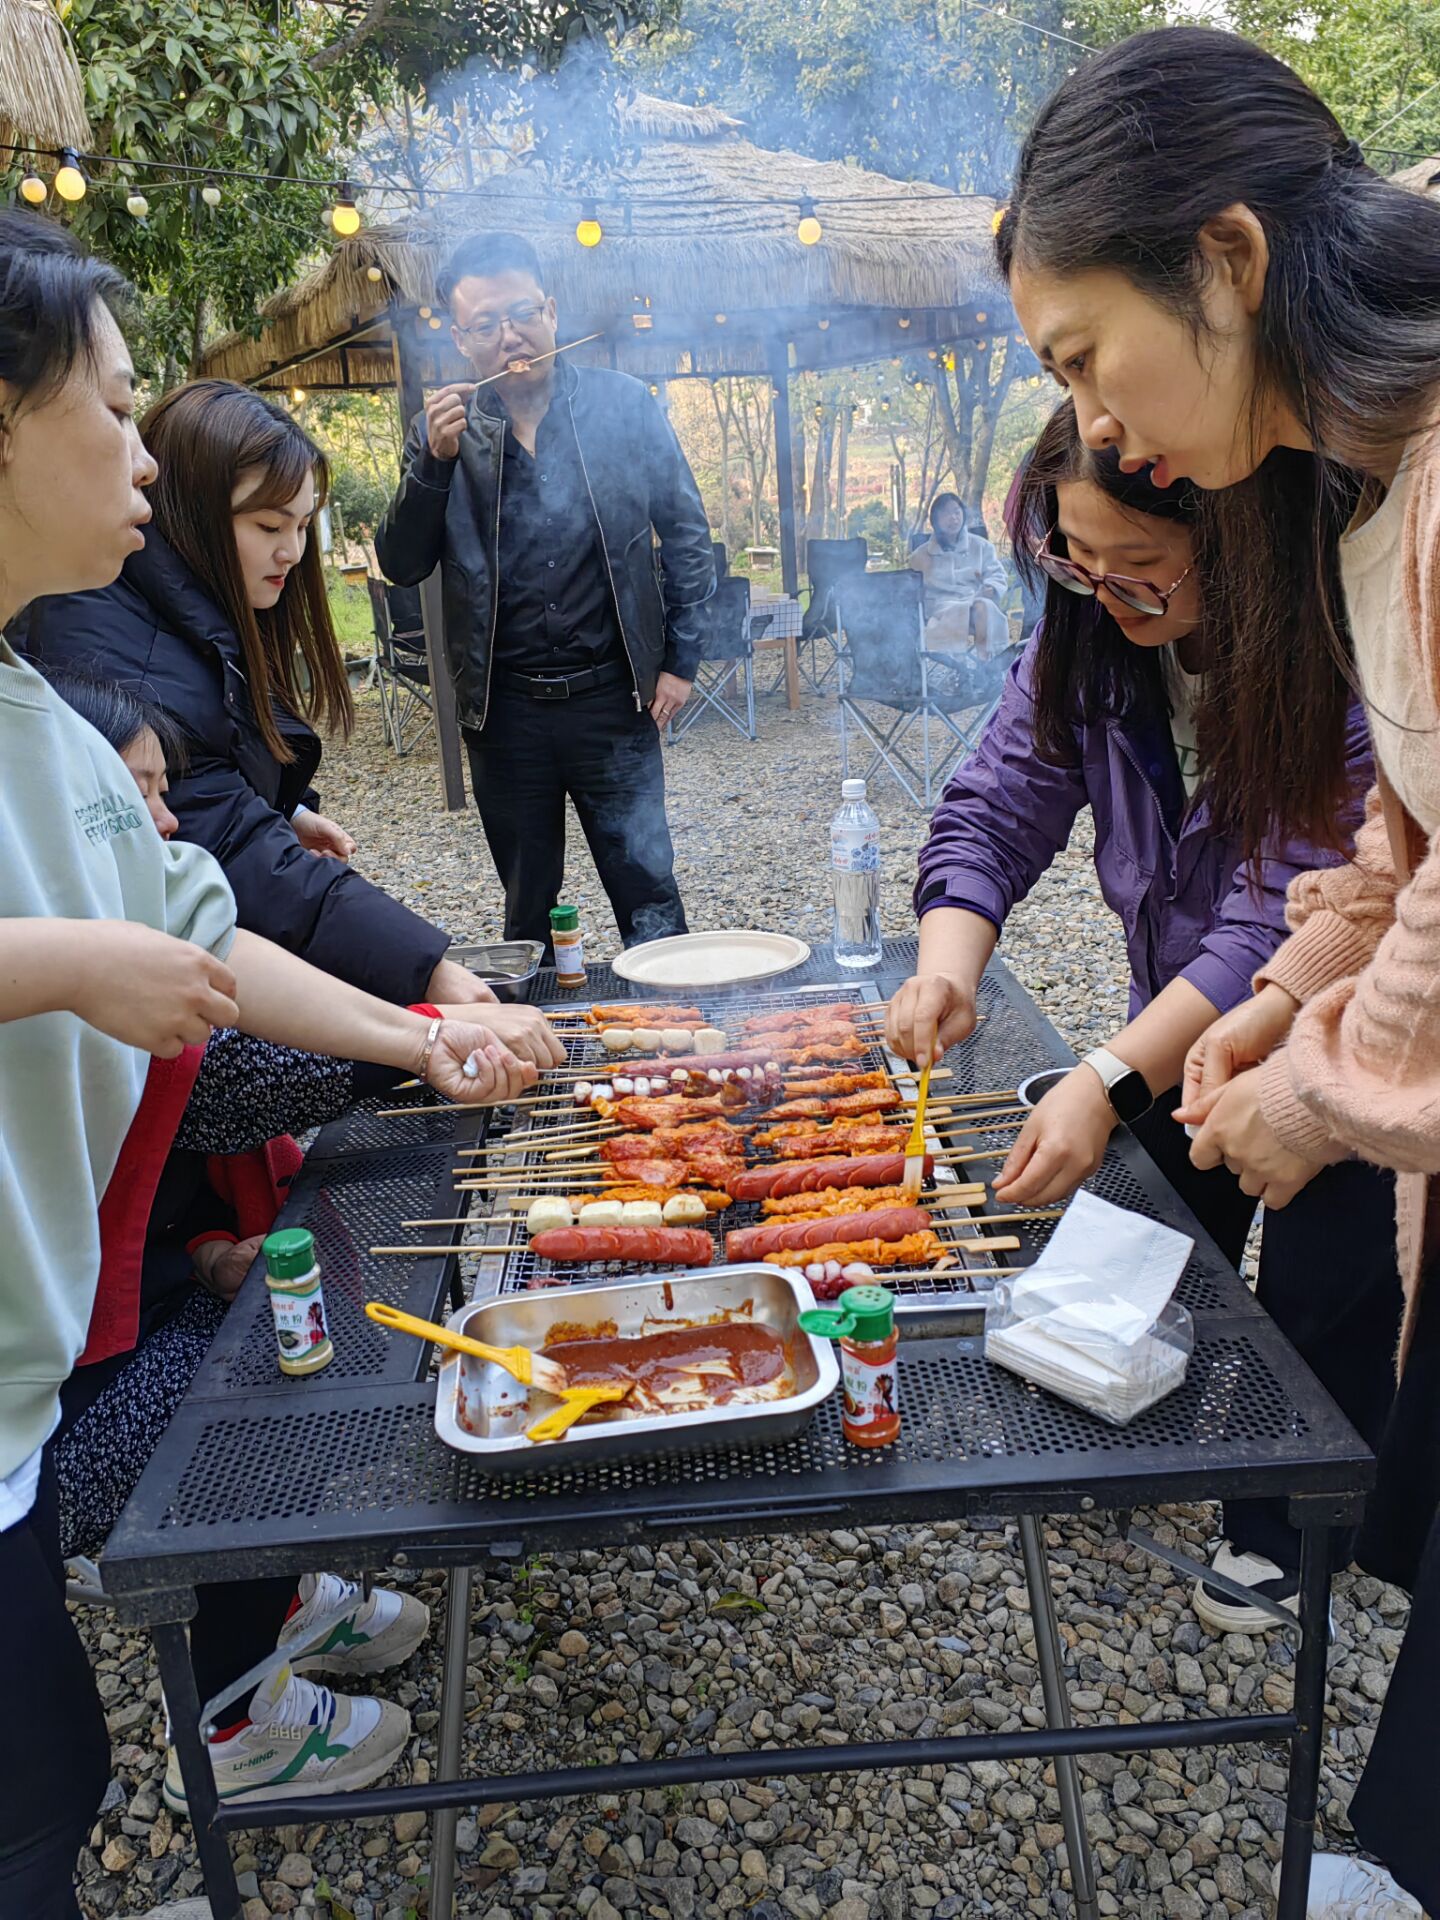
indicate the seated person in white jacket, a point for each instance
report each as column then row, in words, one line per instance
column 965, row 581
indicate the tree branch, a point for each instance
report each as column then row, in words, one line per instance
column 372, row 18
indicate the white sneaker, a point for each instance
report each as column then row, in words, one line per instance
column 300, row 1738
column 367, row 1637
column 1344, row 1887
column 1221, row 1614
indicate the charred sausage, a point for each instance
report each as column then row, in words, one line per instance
column 887, row 1223
column 645, row 1246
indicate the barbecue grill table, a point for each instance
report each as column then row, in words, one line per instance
column 260, row 1474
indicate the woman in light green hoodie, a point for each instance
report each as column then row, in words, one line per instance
column 113, row 947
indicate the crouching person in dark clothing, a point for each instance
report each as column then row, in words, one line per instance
column 539, row 497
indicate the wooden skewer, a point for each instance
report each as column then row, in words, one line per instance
column 1032, row 1213
column 534, row 359
column 1000, row 1243
column 411, row 1253
column 403, row 1113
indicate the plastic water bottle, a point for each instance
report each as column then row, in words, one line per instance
column 855, row 869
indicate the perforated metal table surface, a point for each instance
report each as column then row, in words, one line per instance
column 261, row 1474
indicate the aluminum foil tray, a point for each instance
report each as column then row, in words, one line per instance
column 482, row 1411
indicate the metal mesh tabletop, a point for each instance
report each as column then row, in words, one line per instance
column 346, row 1476
column 350, row 1203
column 258, row 1473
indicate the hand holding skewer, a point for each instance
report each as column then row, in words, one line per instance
column 445, row 418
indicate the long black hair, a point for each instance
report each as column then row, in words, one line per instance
column 1084, row 669
column 1127, row 161
column 1139, row 148
column 49, row 290
column 1269, row 698
column 117, row 714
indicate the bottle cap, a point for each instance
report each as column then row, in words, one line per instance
column 289, row 1254
column 852, row 789
column 564, row 919
column 864, row 1314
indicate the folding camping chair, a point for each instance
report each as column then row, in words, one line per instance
column 884, row 663
column 727, row 653
column 827, row 562
column 402, row 666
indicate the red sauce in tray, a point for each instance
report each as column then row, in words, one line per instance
column 752, row 1353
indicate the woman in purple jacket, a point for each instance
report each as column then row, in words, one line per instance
column 1101, row 711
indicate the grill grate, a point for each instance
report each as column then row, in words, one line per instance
column 516, row 1272
column 956, row 1408
column 349, row 1204
column 360, row 1131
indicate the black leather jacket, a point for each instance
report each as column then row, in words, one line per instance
column 447, row 513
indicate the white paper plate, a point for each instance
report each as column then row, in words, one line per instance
column 710, row 959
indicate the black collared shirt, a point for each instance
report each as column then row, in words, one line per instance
column 556, row 612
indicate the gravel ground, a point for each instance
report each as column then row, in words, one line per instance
column 819, row 1637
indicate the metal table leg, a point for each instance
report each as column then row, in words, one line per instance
column 452, row 1727
column 1057, row 1713
column 1316, row 1544
column 177, row 1677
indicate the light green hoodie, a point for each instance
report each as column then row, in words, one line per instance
column 76, row 843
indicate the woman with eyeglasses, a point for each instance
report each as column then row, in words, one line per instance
column 1100, row 712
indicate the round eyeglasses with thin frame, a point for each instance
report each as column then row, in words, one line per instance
column 1143, row 596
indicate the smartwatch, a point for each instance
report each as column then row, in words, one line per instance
column 1126, row 1089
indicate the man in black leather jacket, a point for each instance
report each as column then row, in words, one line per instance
column 539, row 496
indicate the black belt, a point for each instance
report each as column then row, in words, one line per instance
column 560, row 686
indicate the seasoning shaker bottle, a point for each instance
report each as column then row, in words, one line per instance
column 863, row 1321
column 569, row 944
column 292, row 1274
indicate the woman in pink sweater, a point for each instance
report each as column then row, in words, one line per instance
column 1201, row 256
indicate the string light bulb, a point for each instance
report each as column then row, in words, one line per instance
column 33, row 190
column 809, row 231
column 345, row 215
column 210, row 194
column 297, row 396
column 588, row 230
column 903, row 321
column 70, row 182
column 997, row 219
column 374, row 275
column 425, row 312
column 824, row 326
column 981, row 319
column 137, row 204
column 720, row 319
column 436, row 323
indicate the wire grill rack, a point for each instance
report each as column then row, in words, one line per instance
column 517, row 1271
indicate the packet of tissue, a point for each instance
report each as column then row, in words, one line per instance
column 1092, row 1320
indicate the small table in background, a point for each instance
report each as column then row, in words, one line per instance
column 786, row 615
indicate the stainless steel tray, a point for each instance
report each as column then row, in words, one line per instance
column 482, row 1411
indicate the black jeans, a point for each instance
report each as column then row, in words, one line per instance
column 597, row 750
column 58, row 1753
column 1396, row 1808
column 1328, row 1279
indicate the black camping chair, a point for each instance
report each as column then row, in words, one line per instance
column 827, row 562
column 884, row 663
column 402, row 666
column 722, row 558
column 727, row 657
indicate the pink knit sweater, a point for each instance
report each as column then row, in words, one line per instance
column 1361, row 1069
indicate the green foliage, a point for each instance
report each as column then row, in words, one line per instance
column 206, row 84
column 1368, row 59
column 873, row 520
column 361, row 497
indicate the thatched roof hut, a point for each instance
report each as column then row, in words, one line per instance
column 700, row 243
column 42, row 97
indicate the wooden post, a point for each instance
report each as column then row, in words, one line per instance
column 442, row 689
column 784, row 464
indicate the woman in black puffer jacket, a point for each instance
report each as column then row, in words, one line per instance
column 222, row 621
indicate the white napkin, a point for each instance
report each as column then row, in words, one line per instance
column 1081, row 1321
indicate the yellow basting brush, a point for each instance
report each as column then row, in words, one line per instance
column 915, row 1145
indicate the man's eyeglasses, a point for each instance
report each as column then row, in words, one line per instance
column 1142, row 595
column 481, row 332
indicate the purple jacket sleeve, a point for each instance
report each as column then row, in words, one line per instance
column 1251, row 922
column 1005, row 815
